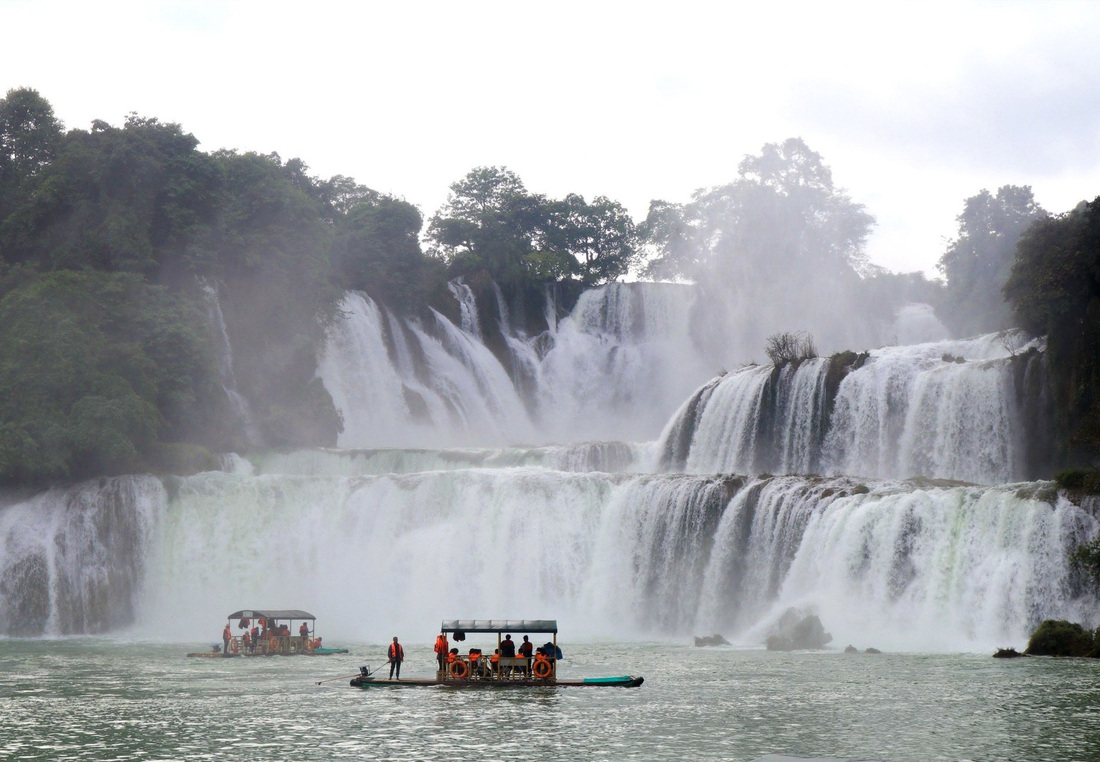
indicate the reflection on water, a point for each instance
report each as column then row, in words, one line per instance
column 97, row 699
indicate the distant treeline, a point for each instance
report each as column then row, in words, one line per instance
column 114, row 239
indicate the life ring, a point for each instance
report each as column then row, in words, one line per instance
column 459, row 669
column 272, row 645
column 542, row 669
column 234, row 646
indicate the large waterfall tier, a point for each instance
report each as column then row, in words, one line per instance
column 614, row 368
column 947, row 410
column 895, row 565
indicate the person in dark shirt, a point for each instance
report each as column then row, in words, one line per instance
column 507, row 647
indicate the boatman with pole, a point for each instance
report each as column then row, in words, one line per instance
column 397, row 655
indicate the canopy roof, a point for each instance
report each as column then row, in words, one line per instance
column 272, row 614
column 499, row 625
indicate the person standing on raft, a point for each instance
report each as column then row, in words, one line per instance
column 226, row 635
column 396, row 655
column 441, row 647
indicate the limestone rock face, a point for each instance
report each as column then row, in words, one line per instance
column 797, row 632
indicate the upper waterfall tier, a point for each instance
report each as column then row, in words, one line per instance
column 614, row 368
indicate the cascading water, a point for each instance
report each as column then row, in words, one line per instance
column 73, row 560
column 947, row 410
column 237, row 401
column 604, row 535
column 907, row 565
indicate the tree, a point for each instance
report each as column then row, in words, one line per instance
column 1054, row 289
column 93, row 367
column 782, row 215
column 490, row 222
column 29, row 134
column 378, row 251
column 977, row 263
column 598, row 237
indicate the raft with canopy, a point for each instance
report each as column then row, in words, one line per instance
column 477, row 669
column 271, row 632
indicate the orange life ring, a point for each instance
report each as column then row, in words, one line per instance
column 459, row 669
column 234, row 646
column 272, row 645
column 542, row 669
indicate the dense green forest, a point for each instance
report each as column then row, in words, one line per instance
column 113, row 240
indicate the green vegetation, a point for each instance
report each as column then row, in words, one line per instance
column 492, row 223
column 1054, row 289
column 1057, row 637
column 790, row 348
column 977, row 263
column 114, row 242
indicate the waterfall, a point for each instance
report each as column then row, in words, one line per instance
column 614, row 369
column 947, row 410
column 73, row 560
column 467, row 306
column 408, row 385
column 228, row 377
column 560, row 480
column 905, row 565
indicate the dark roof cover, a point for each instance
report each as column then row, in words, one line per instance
column 499, row 625
column 272, row 614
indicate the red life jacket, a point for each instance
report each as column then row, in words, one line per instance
column 396, row 651
column 441, row 644
column 226, row 634
column 303, row 630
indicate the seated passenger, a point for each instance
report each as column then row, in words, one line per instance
column 507, row 647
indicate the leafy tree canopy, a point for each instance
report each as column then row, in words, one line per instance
column 492, row 222
column 978, row 261
column 1054, row 289
column 93, row 367
column 781, row 215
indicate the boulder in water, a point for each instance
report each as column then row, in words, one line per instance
column 797, row 632
column 710, row 640
column 1007, row 653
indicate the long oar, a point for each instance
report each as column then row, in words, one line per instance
column 341, row 677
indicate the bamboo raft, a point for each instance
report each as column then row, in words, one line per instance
column 276, row 639
column 532, row 670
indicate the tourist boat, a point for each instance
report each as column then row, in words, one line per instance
column 277, row 635
column 477, row 669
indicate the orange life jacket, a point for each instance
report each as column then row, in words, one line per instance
column 226, row 633
column 452, row 658
column 396, row 651
column 494, row 658
column 441, row 644
column 303, row 630
column 246, row 637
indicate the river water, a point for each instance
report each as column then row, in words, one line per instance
column 108, row 699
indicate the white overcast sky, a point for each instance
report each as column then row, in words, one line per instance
column 914, row 105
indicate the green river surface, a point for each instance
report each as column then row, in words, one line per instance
column 99, row 699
